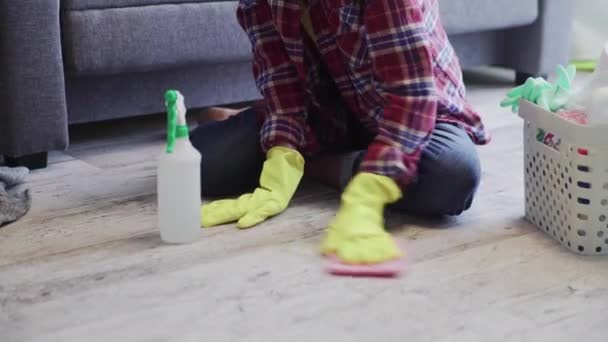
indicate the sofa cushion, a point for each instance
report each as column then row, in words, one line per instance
column 102, row 4
column 150, row 35
column 116, row 36
column 464, row 16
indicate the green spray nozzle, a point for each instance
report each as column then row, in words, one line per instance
column 176, row 118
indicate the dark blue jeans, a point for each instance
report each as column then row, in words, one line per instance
column 448, row 175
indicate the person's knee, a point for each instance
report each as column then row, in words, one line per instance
column 449, row 175
column 224, row 174
column 448, row 189
column 459, row 182
column 231, row 157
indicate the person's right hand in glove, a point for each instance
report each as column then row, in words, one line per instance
column 281, row 175
column 357, row 234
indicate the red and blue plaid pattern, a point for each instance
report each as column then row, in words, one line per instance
column 380, row 72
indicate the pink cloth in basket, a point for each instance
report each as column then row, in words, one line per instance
column 574, row 115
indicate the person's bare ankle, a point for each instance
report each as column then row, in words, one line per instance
column 216, row 114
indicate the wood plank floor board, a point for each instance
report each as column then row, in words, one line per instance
column 249, row 293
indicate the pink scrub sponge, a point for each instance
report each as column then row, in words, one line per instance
column 387, row 269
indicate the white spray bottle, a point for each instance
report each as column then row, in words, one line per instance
column 593, row 96
column 598, row 101
column 179, row 178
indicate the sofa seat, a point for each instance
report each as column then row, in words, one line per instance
column 484, row 15
column 103, row 4
column 105, row 37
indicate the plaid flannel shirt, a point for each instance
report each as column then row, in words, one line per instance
column 377, row 72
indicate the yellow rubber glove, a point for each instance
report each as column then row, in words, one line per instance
column 281, row 174
column 357, row 234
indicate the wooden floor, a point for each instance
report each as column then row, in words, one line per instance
column 87, row 263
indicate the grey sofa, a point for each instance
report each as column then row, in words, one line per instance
column 74, row 61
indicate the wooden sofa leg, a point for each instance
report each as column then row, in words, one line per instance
column 31, row 161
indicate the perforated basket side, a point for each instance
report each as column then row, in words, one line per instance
column 547, row 188
column 566, row 182
column 590, row 199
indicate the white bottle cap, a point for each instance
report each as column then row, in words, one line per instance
column 599, row 79
column 598, row 109
column 602, row 65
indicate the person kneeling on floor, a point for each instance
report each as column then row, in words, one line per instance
column 369, row 96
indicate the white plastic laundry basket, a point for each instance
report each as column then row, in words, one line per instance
column 566, row 179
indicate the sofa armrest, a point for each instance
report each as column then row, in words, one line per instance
column 538, row 48
column 33, row 114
